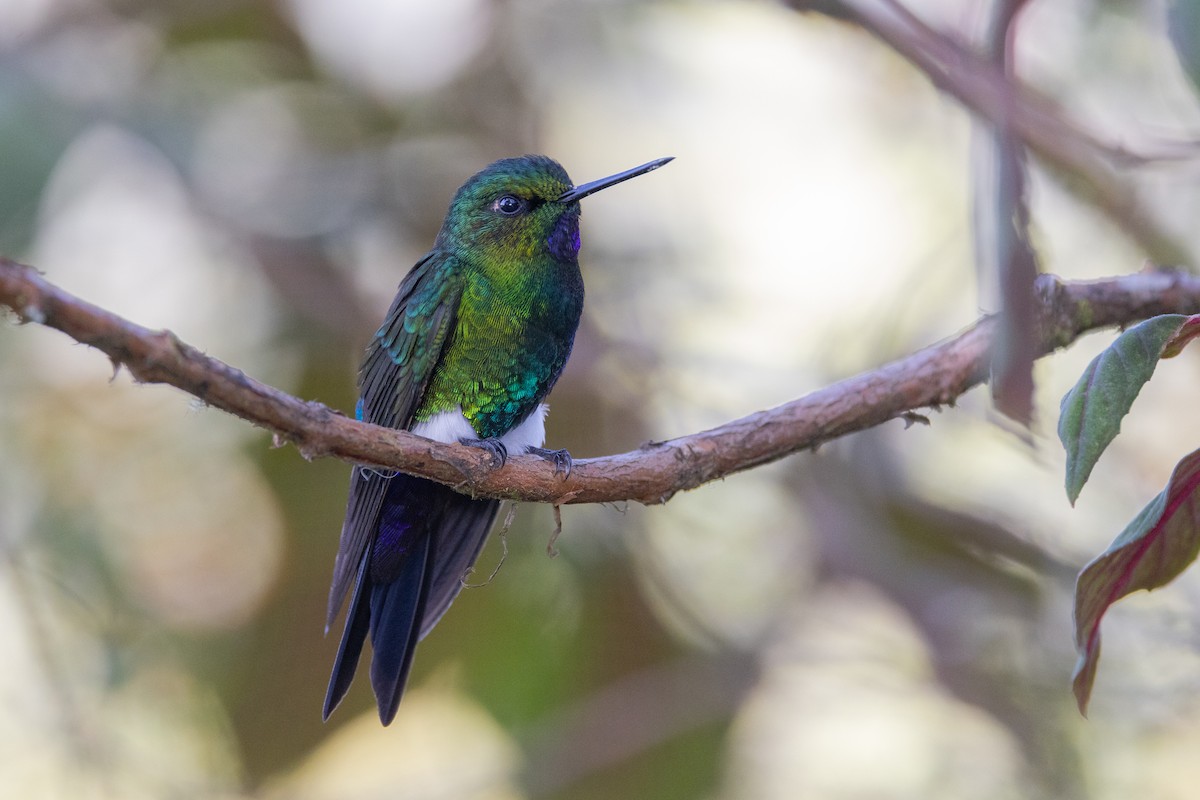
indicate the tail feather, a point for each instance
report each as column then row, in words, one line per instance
column 397, row 608
column 357, row 624
column 424, row 539
column 391, row 612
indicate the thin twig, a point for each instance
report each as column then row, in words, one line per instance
column 551, row 550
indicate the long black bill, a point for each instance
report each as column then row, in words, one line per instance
column 580, row 192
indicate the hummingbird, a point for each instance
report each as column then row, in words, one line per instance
column 477, row 336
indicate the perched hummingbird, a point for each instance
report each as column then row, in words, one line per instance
column 478, row 333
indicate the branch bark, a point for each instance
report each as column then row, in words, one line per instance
column 929, row 378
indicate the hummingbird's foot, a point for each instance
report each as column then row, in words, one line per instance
column 561, row 458
column 494, row 446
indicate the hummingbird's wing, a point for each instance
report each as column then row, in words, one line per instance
column 399, row 363
column 462, row 534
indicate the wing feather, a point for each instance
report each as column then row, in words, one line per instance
column 400, row 361
column 464, row 529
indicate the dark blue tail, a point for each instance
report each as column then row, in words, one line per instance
column 391, row 589
column 392, row 613
column 423, row 539
column 397, row 609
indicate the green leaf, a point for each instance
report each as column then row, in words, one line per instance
column 1154, row 548
column 1092, row 411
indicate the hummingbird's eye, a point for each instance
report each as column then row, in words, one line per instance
column 508, row 205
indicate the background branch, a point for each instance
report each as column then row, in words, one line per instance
column 1087, row 163
column 931, row 377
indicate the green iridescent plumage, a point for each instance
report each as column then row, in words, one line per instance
column 506, row 291
column 519, row 296
column 477, row 336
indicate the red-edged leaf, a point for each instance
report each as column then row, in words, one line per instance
column 1092, row 411
column 1156, row 546
column 1189, row 330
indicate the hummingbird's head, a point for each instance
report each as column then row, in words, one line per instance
column 518, row 209
column 510, row 211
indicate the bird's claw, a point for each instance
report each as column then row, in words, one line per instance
column 561, row 458
column 494, row 447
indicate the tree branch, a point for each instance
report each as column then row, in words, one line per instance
column 932, row 377
column 1088, row 163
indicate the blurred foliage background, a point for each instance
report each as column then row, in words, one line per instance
column 887, row 618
